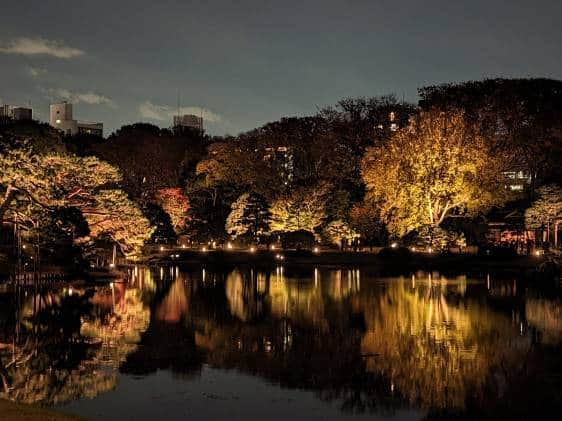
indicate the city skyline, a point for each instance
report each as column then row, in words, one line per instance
column 246, row 64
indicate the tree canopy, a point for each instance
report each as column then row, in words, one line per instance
column 432, row 167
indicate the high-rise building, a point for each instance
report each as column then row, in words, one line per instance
column 187, row 121
column 60, row 117
column 280, row 158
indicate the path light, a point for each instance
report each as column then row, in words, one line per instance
column 70, row 291
column 394, row 245
column 413, row 249
column 183, row 246
column 272, row 247
column 316, row 250
column 204, row 249
column 252, row 249
column 161, row 248
column 229, row 245
column 430, row 250
column 537, row 253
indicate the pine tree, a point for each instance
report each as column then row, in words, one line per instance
column 250, row 217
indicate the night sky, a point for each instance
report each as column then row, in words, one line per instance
column 250, row 62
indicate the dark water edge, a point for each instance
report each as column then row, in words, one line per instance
column 296, row 341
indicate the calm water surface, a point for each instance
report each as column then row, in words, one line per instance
column 301, row 344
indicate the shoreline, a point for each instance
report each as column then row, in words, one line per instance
column 363, row 260
column 12, row 411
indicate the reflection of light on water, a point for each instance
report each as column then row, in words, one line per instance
column 316, row 277
column 433, row 347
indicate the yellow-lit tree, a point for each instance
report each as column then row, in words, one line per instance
column 436, row 165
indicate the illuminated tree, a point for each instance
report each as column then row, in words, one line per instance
column 250, row 216
column 435, row 166
column 50, row 181
column 304, row 209
column 117, row 217
column 365, row 219
column 339, row 232
column 35, row 184
column 176, row 204
column 546, row 209
column 521, row 118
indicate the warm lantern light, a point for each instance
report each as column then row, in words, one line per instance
column 272, row 247
column 537, row 253
column 183, row 246
column 430, row 250
column 161, row 248
column 316, row 250
column 252, row 249
column 394, row 245
column 204, row 249
column 413, row 249
column 229, row 245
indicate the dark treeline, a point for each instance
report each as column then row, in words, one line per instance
column 365, row 170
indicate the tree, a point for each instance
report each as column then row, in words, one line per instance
column 365, row 219
column 435, row 166
column 521, row 118
column 149, row 158
column 34, row 184
column 546, row 209
column 176, row 204
column 339, row 232
column 304, row 209
column 250, row 216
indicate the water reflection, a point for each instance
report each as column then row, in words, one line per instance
column 366, row 342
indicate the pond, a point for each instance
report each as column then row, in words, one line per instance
column 302, row 343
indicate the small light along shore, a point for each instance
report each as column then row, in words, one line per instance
column 10, row 411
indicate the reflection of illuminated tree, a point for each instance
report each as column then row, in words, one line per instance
column 51, row 363
column 546, row 316
column 69, row 343
column 435, row 353
column 174, row 305
column 302, row 338
column 119, row 330
column 244, row 298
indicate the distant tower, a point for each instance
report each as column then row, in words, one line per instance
column 187, row 121
column 59, row 112
column 60, row 117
